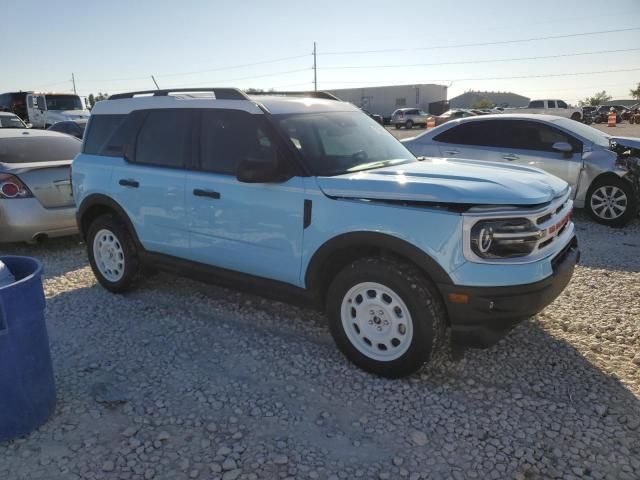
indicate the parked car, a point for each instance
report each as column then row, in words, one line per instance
column 452, row 115
column 45, row 109
column 409, row 118
column 601, row 115
column 11, row 120
column 583, row 156
column 551, row 107
column 35, row 186
column 315, row 200
column 72, row 127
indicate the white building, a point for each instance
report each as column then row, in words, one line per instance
column 384, row 100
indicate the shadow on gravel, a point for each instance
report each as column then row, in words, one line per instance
column 616, row 249
column 532, row 405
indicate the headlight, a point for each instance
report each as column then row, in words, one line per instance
column 504, row 238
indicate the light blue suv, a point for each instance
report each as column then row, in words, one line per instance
column 306, row 197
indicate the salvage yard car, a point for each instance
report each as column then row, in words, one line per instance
column 599, row 173
column 307, row 197
column 551, row 107
column 35, row 186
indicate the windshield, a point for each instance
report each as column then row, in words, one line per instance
column 11, row 121
column 591, row 134
column 63, row 102
column 333, row 143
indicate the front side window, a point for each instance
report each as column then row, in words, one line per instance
column 164, row 139
column 334, row 143
column 229, row 137
column 562, row 104
column 535, row 136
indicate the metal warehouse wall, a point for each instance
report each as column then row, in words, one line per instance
column 384, row 100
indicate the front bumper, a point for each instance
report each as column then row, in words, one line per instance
column 24, row 219
column 490, row 312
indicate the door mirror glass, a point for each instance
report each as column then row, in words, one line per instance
column 255, row 171
column 563, row 147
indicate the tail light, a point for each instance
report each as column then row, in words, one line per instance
column 12, row 187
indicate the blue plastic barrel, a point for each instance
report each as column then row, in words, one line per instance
column 27, row 388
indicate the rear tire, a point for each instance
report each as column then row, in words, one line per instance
column 112, row 253
column 408, row 125
column 398, row 126
column 386, row 316
column 611, row 201
column 575, row 116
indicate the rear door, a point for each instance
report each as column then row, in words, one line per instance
column 254, row 228
column 150, row 185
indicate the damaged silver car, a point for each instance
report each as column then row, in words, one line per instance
column 602, row 170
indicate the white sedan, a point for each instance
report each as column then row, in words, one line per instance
column 599, row 168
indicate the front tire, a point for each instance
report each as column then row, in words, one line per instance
column 112, row 254
column 386, row 316
column 612, row 201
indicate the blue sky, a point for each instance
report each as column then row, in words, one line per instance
column 116, row 45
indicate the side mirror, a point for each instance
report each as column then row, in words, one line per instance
column 254, row 171
column 563, row 147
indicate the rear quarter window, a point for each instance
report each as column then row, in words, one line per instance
column 101, row 137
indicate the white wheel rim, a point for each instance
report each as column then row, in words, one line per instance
column 376, row 321
column 608, row 202
column 108, row 255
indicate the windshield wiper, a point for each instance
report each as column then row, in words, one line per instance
column 378, row 164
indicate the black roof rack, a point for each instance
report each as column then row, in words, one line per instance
column 220, row 93
column 324, row 95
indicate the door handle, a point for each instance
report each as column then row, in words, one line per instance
column 198, row 192
column 511, row 157
column 452, row 152
column 126, row 182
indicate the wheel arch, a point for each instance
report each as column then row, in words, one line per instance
column 343, row 249
column 98, row 204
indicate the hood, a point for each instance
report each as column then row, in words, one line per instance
column 629, row 142
column 442, row 180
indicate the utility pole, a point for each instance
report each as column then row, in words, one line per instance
column 154, row 81
column 315, row 70
column 73, row 79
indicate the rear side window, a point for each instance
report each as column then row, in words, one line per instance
column 101, row 139
column 536, row 104
column 471, row 133
column 26, row 149
column 230, row 136
column 165, row 138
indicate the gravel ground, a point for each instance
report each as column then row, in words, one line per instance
column 180, row 379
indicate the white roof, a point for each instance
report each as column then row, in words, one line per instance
column 273, row 103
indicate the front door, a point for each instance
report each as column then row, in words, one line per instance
column 254, row 228
column 37, row 110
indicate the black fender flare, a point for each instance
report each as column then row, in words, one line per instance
column 382, row 241
column 101, row 202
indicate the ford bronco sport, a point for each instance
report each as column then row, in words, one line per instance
column 308, row 195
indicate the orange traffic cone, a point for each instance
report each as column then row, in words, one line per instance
column 611, row 119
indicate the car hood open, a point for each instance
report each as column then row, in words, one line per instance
column 442, row 180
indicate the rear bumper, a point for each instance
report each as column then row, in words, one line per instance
column 23, row 219
column 491, row 312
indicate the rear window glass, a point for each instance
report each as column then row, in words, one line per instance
column 38, row 149
column 101, row 138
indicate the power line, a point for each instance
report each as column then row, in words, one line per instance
column 480, row 44
column 482, row 61
column 404, row 81
column 232, row 67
